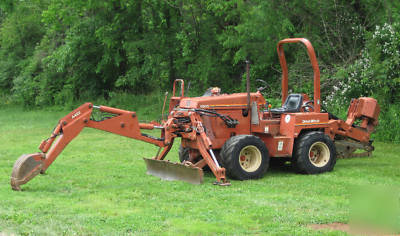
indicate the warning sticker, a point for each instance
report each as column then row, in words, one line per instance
column 280, row 145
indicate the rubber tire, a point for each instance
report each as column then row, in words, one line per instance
column 230, row 157
column 301, row 160
column 183, row 154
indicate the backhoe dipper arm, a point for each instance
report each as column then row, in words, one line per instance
column 121, row 122
column 66, row 130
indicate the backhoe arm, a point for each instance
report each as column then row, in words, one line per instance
column 66, row 130
column 121, row 122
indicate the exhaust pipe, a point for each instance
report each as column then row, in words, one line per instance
column 248, row 85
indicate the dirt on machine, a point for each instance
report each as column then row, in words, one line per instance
column 234, row 135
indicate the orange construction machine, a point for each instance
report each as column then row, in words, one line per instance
column 235, row 135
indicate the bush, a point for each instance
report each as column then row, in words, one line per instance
column 376, row 73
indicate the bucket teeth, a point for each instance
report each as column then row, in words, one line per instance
column 25, row 168
column 167, row 170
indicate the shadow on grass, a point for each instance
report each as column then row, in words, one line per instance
column 284, row 170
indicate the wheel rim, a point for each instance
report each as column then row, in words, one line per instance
column 250, row 158
column 319, row 154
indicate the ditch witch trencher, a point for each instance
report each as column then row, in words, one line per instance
column 235, row 135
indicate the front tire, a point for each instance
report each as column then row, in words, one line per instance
column 245, row 157
column 184, row 156
column 314, row 153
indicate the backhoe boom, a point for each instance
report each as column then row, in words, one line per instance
column 122, row 122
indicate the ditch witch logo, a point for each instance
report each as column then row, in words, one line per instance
column 309, row 121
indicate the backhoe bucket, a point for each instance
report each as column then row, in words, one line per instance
column 25, row 168
column 167, row 170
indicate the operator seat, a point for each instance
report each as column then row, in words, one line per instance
column 292, row 104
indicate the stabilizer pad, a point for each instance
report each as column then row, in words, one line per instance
column 25, row 168
column 167, row 170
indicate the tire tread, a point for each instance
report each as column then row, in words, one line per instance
column 228, row 157
column 301, row 163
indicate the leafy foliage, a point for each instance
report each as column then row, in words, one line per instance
column 63, row 51
column 375, row 73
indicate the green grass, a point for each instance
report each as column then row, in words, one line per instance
column 98, row 185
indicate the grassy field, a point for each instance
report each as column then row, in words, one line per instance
column 98, row 185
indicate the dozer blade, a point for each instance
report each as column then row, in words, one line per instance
column 25, row 168
column 174, row 171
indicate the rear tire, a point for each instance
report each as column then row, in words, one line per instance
column 245, row 157
column 314, row 153
column 183, row 154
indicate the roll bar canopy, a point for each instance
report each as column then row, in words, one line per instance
column 314, row 64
